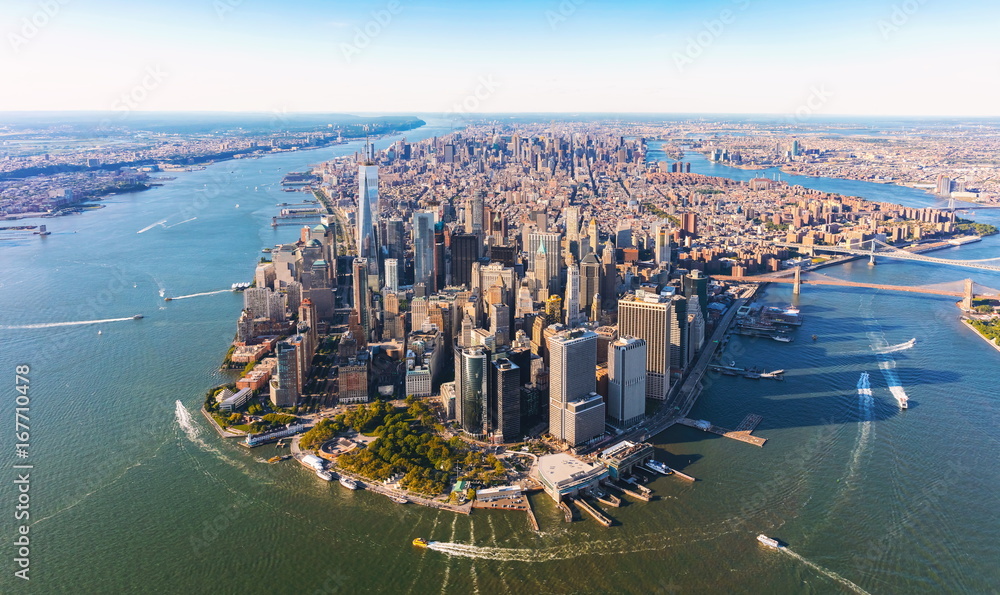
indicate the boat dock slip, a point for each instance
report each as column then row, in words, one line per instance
column 628, row 492
column 567, row 512
column 741, row 434
column 609, row 500
column 600, row 518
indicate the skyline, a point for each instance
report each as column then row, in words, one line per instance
column 848, row 59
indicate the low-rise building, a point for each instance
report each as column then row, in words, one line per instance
column 564, row 475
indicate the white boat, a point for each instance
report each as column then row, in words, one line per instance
column 772, row 374
column 400, row 500
column 658, row 467
column 782, row 338
column 769, row 542
column 325, row 475
column 348, row 483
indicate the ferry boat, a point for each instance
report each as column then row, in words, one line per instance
column 421, row 542
column 348, row 483
column 240, row 286
column 324, row 475
column 658, row 467
column 769, row 542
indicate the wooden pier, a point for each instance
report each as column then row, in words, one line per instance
column 628, row 492
column 531, row 516
column 567, row 512
column 609, row 500
column 682, row 475
column 600, row 518
column 741, row 433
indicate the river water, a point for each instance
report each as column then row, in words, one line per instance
column 132, row 492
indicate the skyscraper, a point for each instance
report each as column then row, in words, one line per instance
column 360, row 293
column 464, row 252
column 627, row 380
column 471, row 389
column 392, row 274
column 505, row 419
column 648, row 317
column 572, row 296
column 367, row 209
column 572, row 382
column 423, row 249
column 662, row 251
column 285, row 383
column 590, row 279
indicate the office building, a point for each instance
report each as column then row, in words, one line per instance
column 648, row 316
column 626, row 381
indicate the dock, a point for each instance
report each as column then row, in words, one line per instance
column 567, row 512
column 682, row 475
column 628, row 492
column 531, row 517
column 600, row 518
column 609, row 500
column 741, row 433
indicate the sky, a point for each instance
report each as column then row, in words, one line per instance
column 794, row 58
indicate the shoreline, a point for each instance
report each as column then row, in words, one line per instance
column 967, row 324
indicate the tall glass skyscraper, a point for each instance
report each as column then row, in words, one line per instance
column 367, row 209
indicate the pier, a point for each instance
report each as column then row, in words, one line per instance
column 682, row 475
column 600, row 518
column 567, row 512
column 741, row 433
column 531, row 516
column 628, row 492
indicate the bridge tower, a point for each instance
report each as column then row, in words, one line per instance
column 871, row 257
column 967, row 300
column 797, row 286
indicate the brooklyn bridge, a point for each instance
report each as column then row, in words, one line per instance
column 966, row 289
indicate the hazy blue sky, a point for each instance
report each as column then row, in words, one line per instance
column 912, row 57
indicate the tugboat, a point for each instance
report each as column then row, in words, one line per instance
column 421, row 542
column 769, row 542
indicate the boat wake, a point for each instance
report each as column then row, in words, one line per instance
column 886, row 363
column 827, row 573
column 149, row 227
column 612, row 547
column 176, row 224
column 184, row 420
column 866, row 406
column 894, row 348
column 184, row 297
column 57, row 324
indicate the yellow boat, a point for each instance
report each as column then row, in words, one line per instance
column 420, row 542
